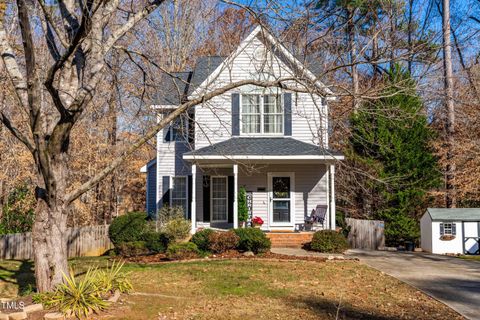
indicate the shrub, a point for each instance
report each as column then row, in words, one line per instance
column 156, row 242
column 252, row 239
column 179, row 251
column 18, row 212
column 201, row 239
column 329, row 241
column 127, row 228
column 177, row 229
column 167, row 213
column 223, row 241
column 133, row 248
column 76, row 296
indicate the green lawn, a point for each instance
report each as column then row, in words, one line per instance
column 473, row 258
column 254, row 289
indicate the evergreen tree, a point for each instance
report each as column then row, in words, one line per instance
column 392, row 138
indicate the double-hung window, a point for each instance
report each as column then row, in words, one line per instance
column 262, row 114
column 179, row 193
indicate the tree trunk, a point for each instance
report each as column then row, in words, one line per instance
column 353, row 57
column 450, row 194
column 49, row 245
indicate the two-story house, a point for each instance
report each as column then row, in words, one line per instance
column 272, row 141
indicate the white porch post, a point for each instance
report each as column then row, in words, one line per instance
column 194, row 199
column 332, row 197
column 235, row 196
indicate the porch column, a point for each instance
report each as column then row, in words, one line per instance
column 194, row 199
column 332, row 197
column 235, row 195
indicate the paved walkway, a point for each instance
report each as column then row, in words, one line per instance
column 453, row 281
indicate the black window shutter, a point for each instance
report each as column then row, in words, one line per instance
column 287, row 110
column 165, row 190
column 167, row 134
column 454, row 229
column 189, row 197
column 230, row 198
column 441, row 229
column 206, row 198
column 235, row 114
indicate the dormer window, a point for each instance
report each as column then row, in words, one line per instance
column 261, row 114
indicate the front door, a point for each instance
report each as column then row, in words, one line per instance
column 281, row 199
column 219, row 198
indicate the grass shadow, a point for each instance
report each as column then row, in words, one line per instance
column 23, row 276
column 324, row 306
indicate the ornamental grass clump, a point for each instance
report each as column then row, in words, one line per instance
column 80, row 296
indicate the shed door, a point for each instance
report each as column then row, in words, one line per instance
column 471, row 237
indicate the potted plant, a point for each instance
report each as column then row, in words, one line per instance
column 242, row 206
column 257, row 222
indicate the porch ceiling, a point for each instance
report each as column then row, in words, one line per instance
column 278, row 150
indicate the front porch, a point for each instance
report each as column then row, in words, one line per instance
column 282, row 193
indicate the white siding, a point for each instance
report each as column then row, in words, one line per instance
column 170, row 162
column 310, row 189
column 214, row 117
column 426, row 232
column 451, row 246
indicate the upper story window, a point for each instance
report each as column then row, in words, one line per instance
column 261, row 114
column 178, row 130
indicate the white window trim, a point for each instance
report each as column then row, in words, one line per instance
column 186, row 192
column 262, row 114
column 445, row 229
column 291, row 223
column 211, row 198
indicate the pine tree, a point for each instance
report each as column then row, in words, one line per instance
column 391, row 137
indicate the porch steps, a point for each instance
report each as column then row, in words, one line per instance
column 289, row 239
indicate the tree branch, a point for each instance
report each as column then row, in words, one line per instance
column 49, row 20
column 72, row 196
column 132, row 21
column 16, row 133
column 11, row 65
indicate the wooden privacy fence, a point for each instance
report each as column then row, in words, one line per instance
column 84, row 241
column 366, row 234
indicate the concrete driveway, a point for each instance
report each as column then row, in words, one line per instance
column 451, row 280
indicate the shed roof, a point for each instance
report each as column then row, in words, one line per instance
column 454, row 214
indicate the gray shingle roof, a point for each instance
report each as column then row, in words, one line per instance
column 203, row 68
column 263, row 147
column 173, row 88
column 176, row 86
column 457, row 214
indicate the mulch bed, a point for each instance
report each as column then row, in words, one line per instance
column 161, row 258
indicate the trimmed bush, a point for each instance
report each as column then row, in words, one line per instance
column 127, row 228
column 252, row 239
column 223, row 241
column 180, row 251
column 201, row 239
column 329, row 241
column 177, row 229
column 156, row 242
column 133, row 248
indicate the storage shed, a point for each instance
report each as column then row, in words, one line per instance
column 451, row 231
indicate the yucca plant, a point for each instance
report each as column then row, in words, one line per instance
column 77, row 296
column 112, row 278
